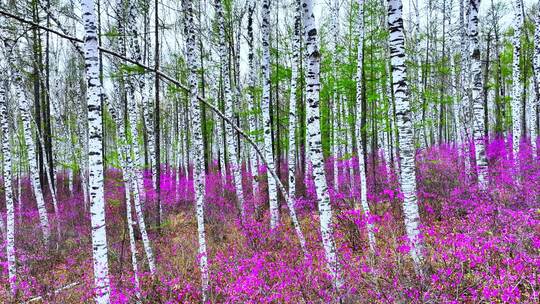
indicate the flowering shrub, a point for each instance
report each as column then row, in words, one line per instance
column 479, row 246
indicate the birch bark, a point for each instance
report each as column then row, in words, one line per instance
column 536, row 99
column 478, row 102
column 198, row 164
column 265, row 105
column 516, row 77
column 235, row 160
column 315, row 145
column 8, row 188
column 95, row 156
column 358, row 127
column 24, row 108
column 404, row 125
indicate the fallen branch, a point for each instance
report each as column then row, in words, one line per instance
column 57, row 291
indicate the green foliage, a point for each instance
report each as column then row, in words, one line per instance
column 131, row 69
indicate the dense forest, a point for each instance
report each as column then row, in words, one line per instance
column 272, row 151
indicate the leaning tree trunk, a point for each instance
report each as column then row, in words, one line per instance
column 265, row 105
column 130, row 186
column 292, row 126
column 404, row 125
column 358, row 127
column 478, row 101
column 95, row 155
column 516, row 77
column 136, row 55
column 315, row 145
column 8, row 189
column 235, row 160
column 24, row 108
column 135, row 97
column 198, row 164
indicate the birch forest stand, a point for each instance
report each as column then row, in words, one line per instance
column 275, row 151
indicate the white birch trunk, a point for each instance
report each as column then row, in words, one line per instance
column 403, row 115
column 315, row 145
column 516, row 77
column 24, row 108
column 292, row 128
column 83, row 149
column 334, row 41
column 536, row 100
column 8, row 188
column 130, row 186
column 198, row 164
column 265, row 105
column 95, row 157
column 236, row 164
column 254, row 165
column 478, row 102
column 136, row 96
column 292, row 100
column 464, row 78
column 358, row 127
column 136, row 54
column 133, row 97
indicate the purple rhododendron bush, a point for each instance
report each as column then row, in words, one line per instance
column 479, row 246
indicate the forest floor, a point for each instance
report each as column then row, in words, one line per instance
column 479, row 246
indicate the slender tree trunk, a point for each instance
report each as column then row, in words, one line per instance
column 235, row 160
column 265, row 105
column 359, row 144
column 251, row 103
column 334, row 42
column 157, row 158
column 464, row 100
column 130, row 186
column 403, row 115
column 8, row 188
column 198, row 164
column 135, row 97
column 292, row 100
column 315, row 145
column 478, row 102
column 95, row 157
column 516, row 81
column 536, row 100
column 24, row 108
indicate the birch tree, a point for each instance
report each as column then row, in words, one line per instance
column 478, row 102
column 236, row 164
column 334, row 42
column 135, row 98
column 404, row 125
column 24, row 108
column 314, row 140
column 265, row 105
column 516, row 80
column 251, row 102
column 8, row 187
column 130, row 186
column 198, row 165
column 358, row 127
column 536, row 75
column 95, row 156
column 292, row 99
